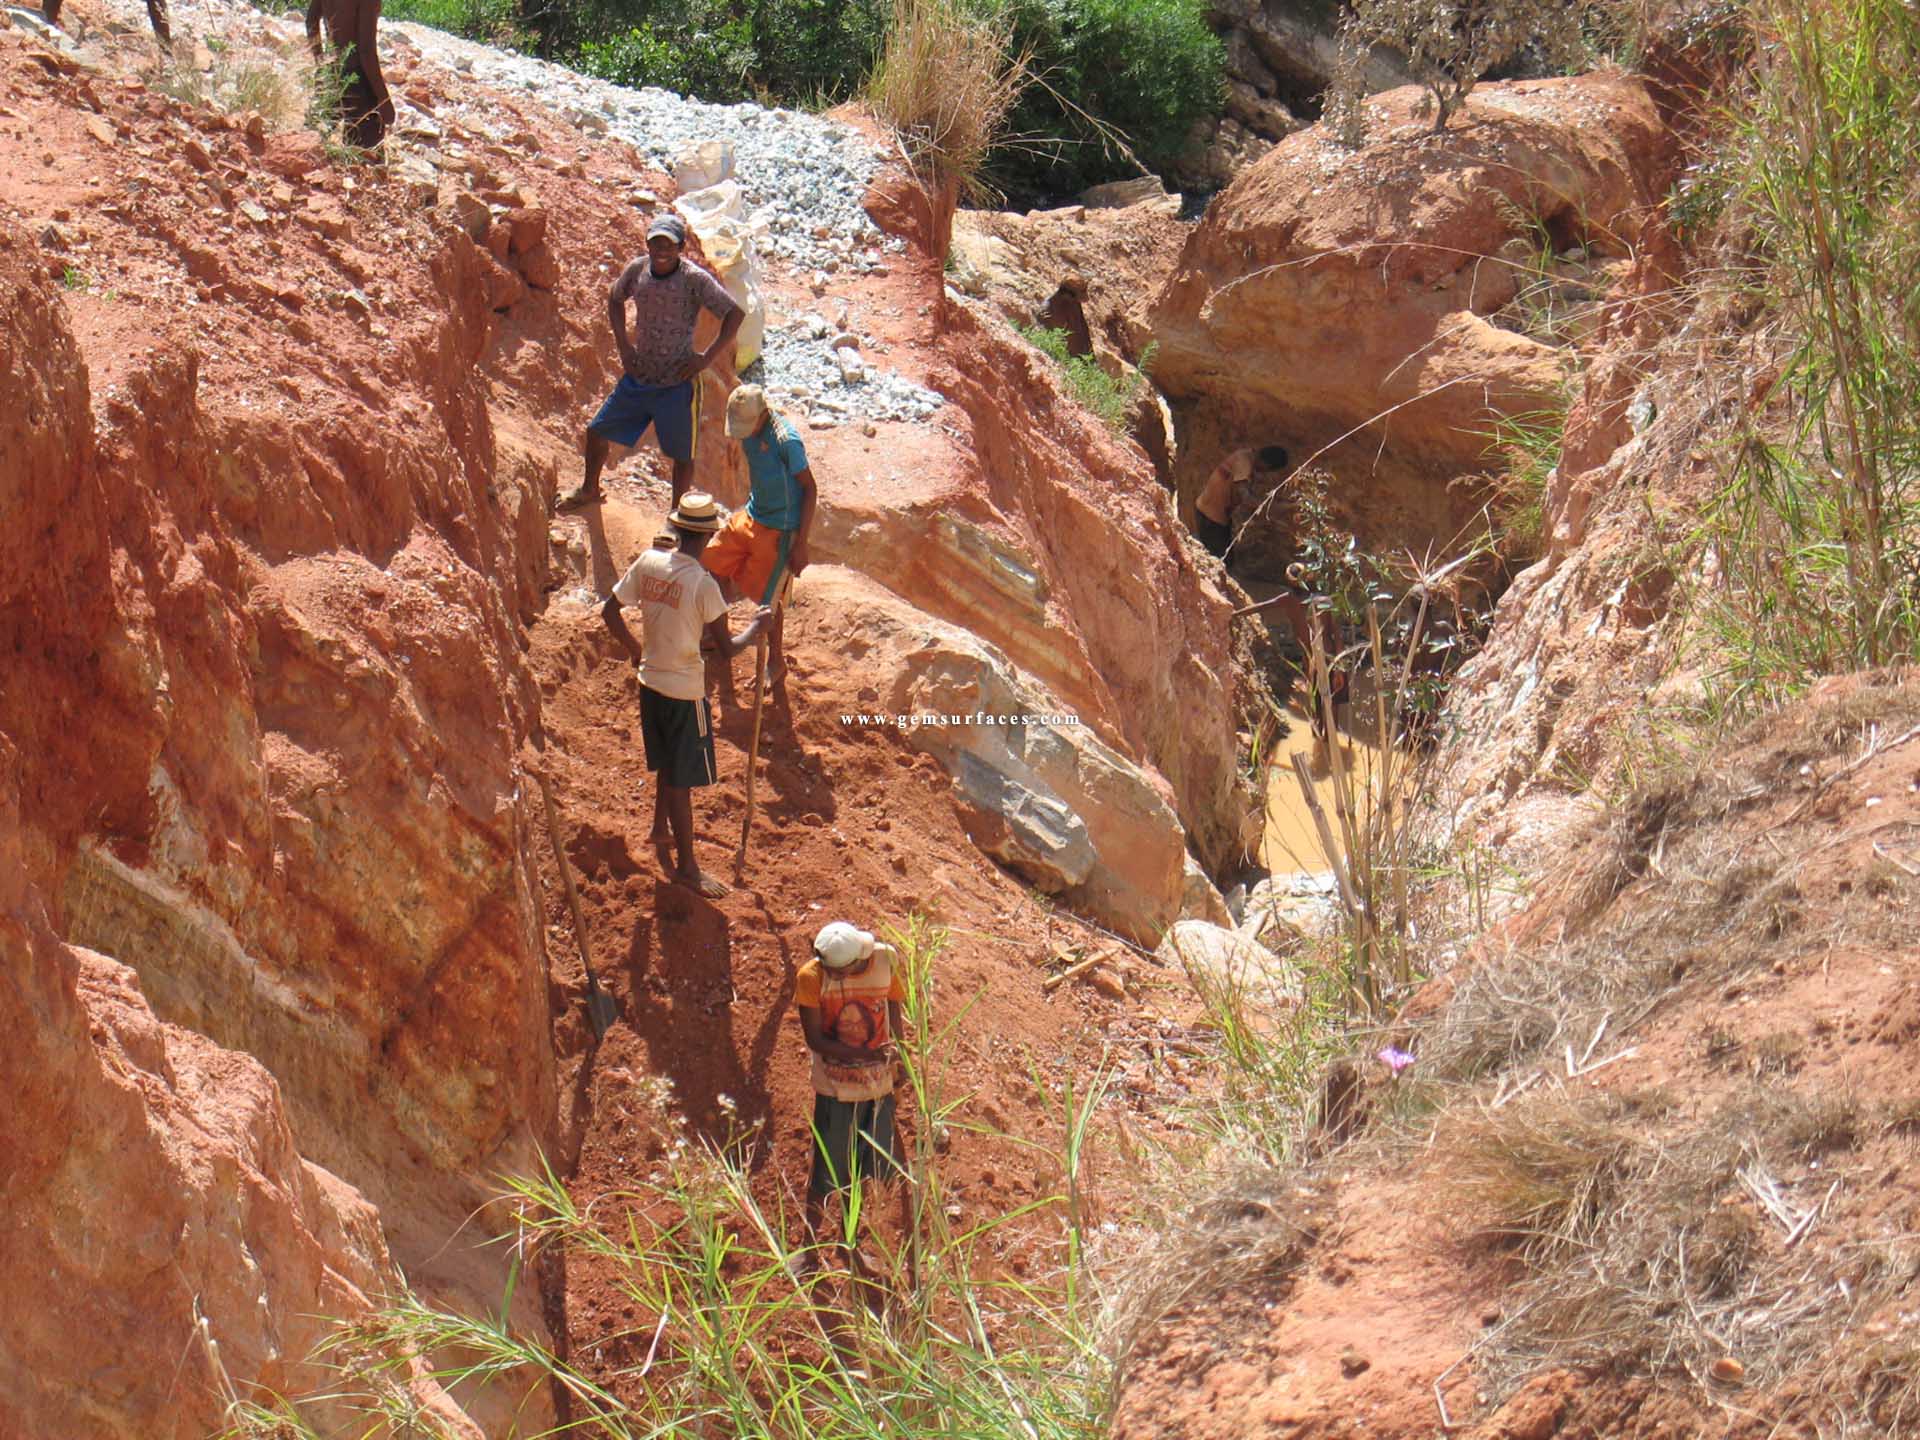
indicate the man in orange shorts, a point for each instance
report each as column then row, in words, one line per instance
column 767, row 542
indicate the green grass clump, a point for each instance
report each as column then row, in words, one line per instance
column 1109, row 397
column 1814, row 539
column 1527, row 449
column 725, row 1340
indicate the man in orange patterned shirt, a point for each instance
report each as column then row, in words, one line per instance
column 849, row 997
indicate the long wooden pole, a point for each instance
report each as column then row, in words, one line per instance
column 753, row 747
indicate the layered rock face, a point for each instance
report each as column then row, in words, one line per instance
column 151, row 1179
column 174, row 1236
column 1343, row 304
column 263, row 694
column 1035, row 789
column 1062, row 551
column 1584, row 645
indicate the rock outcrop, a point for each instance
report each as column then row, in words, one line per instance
column 181, row 1252
column 151, row 1179
column 1280, row 61
column 1348, row 302
column 1036, row 789
column 1232, row 970
column 264, row 692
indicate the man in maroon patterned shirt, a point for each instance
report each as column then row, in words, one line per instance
column 661, row 385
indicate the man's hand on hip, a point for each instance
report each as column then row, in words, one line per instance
column 700, row 361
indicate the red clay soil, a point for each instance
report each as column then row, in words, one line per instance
column 850, row 824
column 329, row 316
column 1781, row 906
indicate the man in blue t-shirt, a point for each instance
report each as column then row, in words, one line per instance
column 767, row 542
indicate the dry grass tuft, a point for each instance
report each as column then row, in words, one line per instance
column 1705, row 908
column 1817, row 1125
column 946, row 82
column 273, row 85
column 1532, row 1002
column 1254, row 1223
column 1883, row 1377
column 1662, row 1248
column 1539, row 1174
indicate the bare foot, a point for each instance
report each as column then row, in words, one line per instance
column 702, row 884
column 579, row 499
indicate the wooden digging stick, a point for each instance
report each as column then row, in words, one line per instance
column 759, row 701
column 753, row 748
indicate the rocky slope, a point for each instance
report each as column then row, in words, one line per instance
column 1361, row 308
column 277, row 517
column 1644, row 1172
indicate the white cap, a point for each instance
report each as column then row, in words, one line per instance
column 841, row 946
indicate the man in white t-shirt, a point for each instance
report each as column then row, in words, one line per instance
column 678, row 601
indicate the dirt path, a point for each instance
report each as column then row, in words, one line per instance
column 851, row 824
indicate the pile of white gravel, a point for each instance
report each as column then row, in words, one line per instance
column 802, row 177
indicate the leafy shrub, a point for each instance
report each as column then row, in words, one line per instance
column 809, row 51
column 1116, row 80
column 711, row 62
column 1815, row 539
column 1449, row 45
column 1120, row 82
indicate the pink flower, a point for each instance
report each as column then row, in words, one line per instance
column 1395, row 1060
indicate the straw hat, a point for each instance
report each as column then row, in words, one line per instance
column 697, row 510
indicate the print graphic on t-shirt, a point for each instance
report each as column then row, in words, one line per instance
column 853, row 1011
column 661, row 592
column 854, row 1022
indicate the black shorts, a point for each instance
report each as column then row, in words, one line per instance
column 1212, row 534
column 851, row 1139
column 679, row 739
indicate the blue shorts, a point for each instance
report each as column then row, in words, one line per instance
column 671, row 409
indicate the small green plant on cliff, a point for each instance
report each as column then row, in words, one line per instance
column 1526, row 452
column 326, row 94
column 1109, row 397
column 1815, row 538
column 1448, row 45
